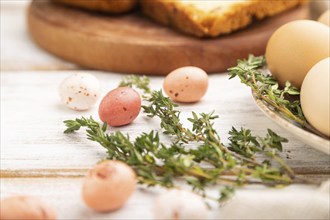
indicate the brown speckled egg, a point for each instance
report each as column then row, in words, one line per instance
column 186, row 84
column 120, row 106
column 108, row 186
column 25, row 208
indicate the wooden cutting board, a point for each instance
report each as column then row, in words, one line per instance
column 134, row 44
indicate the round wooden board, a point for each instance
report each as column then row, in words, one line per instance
column 134, row 44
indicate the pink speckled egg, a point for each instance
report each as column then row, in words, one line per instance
column 120, row 106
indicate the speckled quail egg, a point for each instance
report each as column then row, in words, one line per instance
column 80, row 91
column 108, row 186
column 120, row 106
column 25, row 208
column 186, row 84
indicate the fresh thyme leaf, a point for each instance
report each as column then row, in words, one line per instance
column 136, row 81
column 160, row 163
column 71, row 125
column 273, row 140
column 243, row 143
column 162, row 107
column 266, row 88
column 226, row 193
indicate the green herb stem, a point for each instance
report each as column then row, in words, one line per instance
column 266, row 88
column 159, row 163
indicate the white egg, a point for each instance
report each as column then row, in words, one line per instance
column 80, row 91
column 295, row 48
column 315, row 96
column 180, row 204
column 325, row 187
column 325, row 18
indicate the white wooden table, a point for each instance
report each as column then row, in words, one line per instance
column 38, row 159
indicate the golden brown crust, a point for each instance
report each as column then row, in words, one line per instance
column 109, row 6
column 172, row 14
column 191, row 20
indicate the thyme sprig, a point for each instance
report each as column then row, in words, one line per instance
column 265, row 87
column 140, row 82
column 207, row 163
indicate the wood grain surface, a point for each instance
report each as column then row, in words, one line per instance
column 37, row 159
column 33, row 143
column 64, row 196
column 133, row 44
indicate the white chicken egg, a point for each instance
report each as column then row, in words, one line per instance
column 295, row 48
column 325, row 18
column 315, row 96
column 80, row 91
column 180, row 204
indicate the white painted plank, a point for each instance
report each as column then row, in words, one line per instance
column 64, row 195
column 32, row 141
column 14, row 3
column 18, row 51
